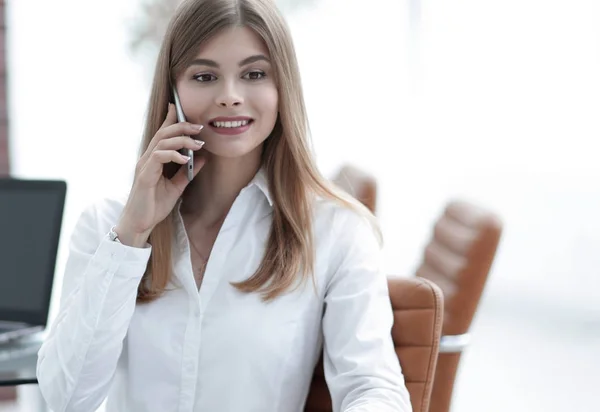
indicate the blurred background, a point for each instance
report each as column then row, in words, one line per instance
column 496, row 102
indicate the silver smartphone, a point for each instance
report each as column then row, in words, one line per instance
column 186, row 152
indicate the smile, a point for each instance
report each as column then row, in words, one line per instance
column 231, row 126
column 238, row 123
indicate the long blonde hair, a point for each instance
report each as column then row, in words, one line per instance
column 294, row 181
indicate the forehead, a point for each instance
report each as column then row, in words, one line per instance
column 233, row 43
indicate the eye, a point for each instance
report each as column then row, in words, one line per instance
column 204, row 77
column 254, row 75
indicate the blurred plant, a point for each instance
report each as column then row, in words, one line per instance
column 150, row 28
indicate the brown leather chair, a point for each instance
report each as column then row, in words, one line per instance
column 418, row 313
column 359, row 184
column 458, row 259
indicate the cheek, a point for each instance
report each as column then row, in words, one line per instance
column 194, row 103
column 200, row 102
column 268, row 101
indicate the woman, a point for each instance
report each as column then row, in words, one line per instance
column 218, row 294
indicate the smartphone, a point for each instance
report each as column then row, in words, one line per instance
column 186, row 152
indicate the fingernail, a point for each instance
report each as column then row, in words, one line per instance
column 199, row 142
column 186, row 158
column 199, row 126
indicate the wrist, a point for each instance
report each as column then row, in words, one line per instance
column 131, row 237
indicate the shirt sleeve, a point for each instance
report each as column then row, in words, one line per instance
column 78, row 359
column 360, row 363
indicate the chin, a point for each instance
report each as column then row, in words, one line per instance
column 232, row 150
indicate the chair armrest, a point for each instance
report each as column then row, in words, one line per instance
column 454, row 343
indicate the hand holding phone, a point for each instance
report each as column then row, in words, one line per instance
column 153, row 195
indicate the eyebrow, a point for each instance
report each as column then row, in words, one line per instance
column 212, row 63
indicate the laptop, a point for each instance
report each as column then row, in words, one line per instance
column 31, row 214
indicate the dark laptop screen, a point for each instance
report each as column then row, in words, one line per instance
column 30, row 220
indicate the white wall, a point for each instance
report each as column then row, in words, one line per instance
column 76, row 99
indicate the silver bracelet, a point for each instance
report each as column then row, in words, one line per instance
column 112, row 235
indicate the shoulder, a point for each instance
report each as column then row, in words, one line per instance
column 347, row 242
column 334, row 214
column 343, row 225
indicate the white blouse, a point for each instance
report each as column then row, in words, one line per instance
column 217, row 349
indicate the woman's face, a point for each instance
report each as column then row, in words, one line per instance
column 230, row 89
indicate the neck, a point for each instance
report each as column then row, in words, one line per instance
column 211, row 194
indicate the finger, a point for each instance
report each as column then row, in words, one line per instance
column 180, row 142
column 153, row 168
column 181, row 130
column 170, row 119
column 180, row 180
column 177, row 129
column 171, row 116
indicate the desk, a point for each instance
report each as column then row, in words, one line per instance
column 18, row 361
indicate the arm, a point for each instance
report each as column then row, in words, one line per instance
column 361, row 367
column 78, row 360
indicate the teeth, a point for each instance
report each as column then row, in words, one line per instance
column 238, row 123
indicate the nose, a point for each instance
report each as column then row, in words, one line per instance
column 229, row 96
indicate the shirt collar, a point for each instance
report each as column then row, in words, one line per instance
column 260, row 181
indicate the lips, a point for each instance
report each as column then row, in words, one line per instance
column 231, row 125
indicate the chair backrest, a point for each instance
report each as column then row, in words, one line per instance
column 418, row 315
column 458, row 259
column 359, row 184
